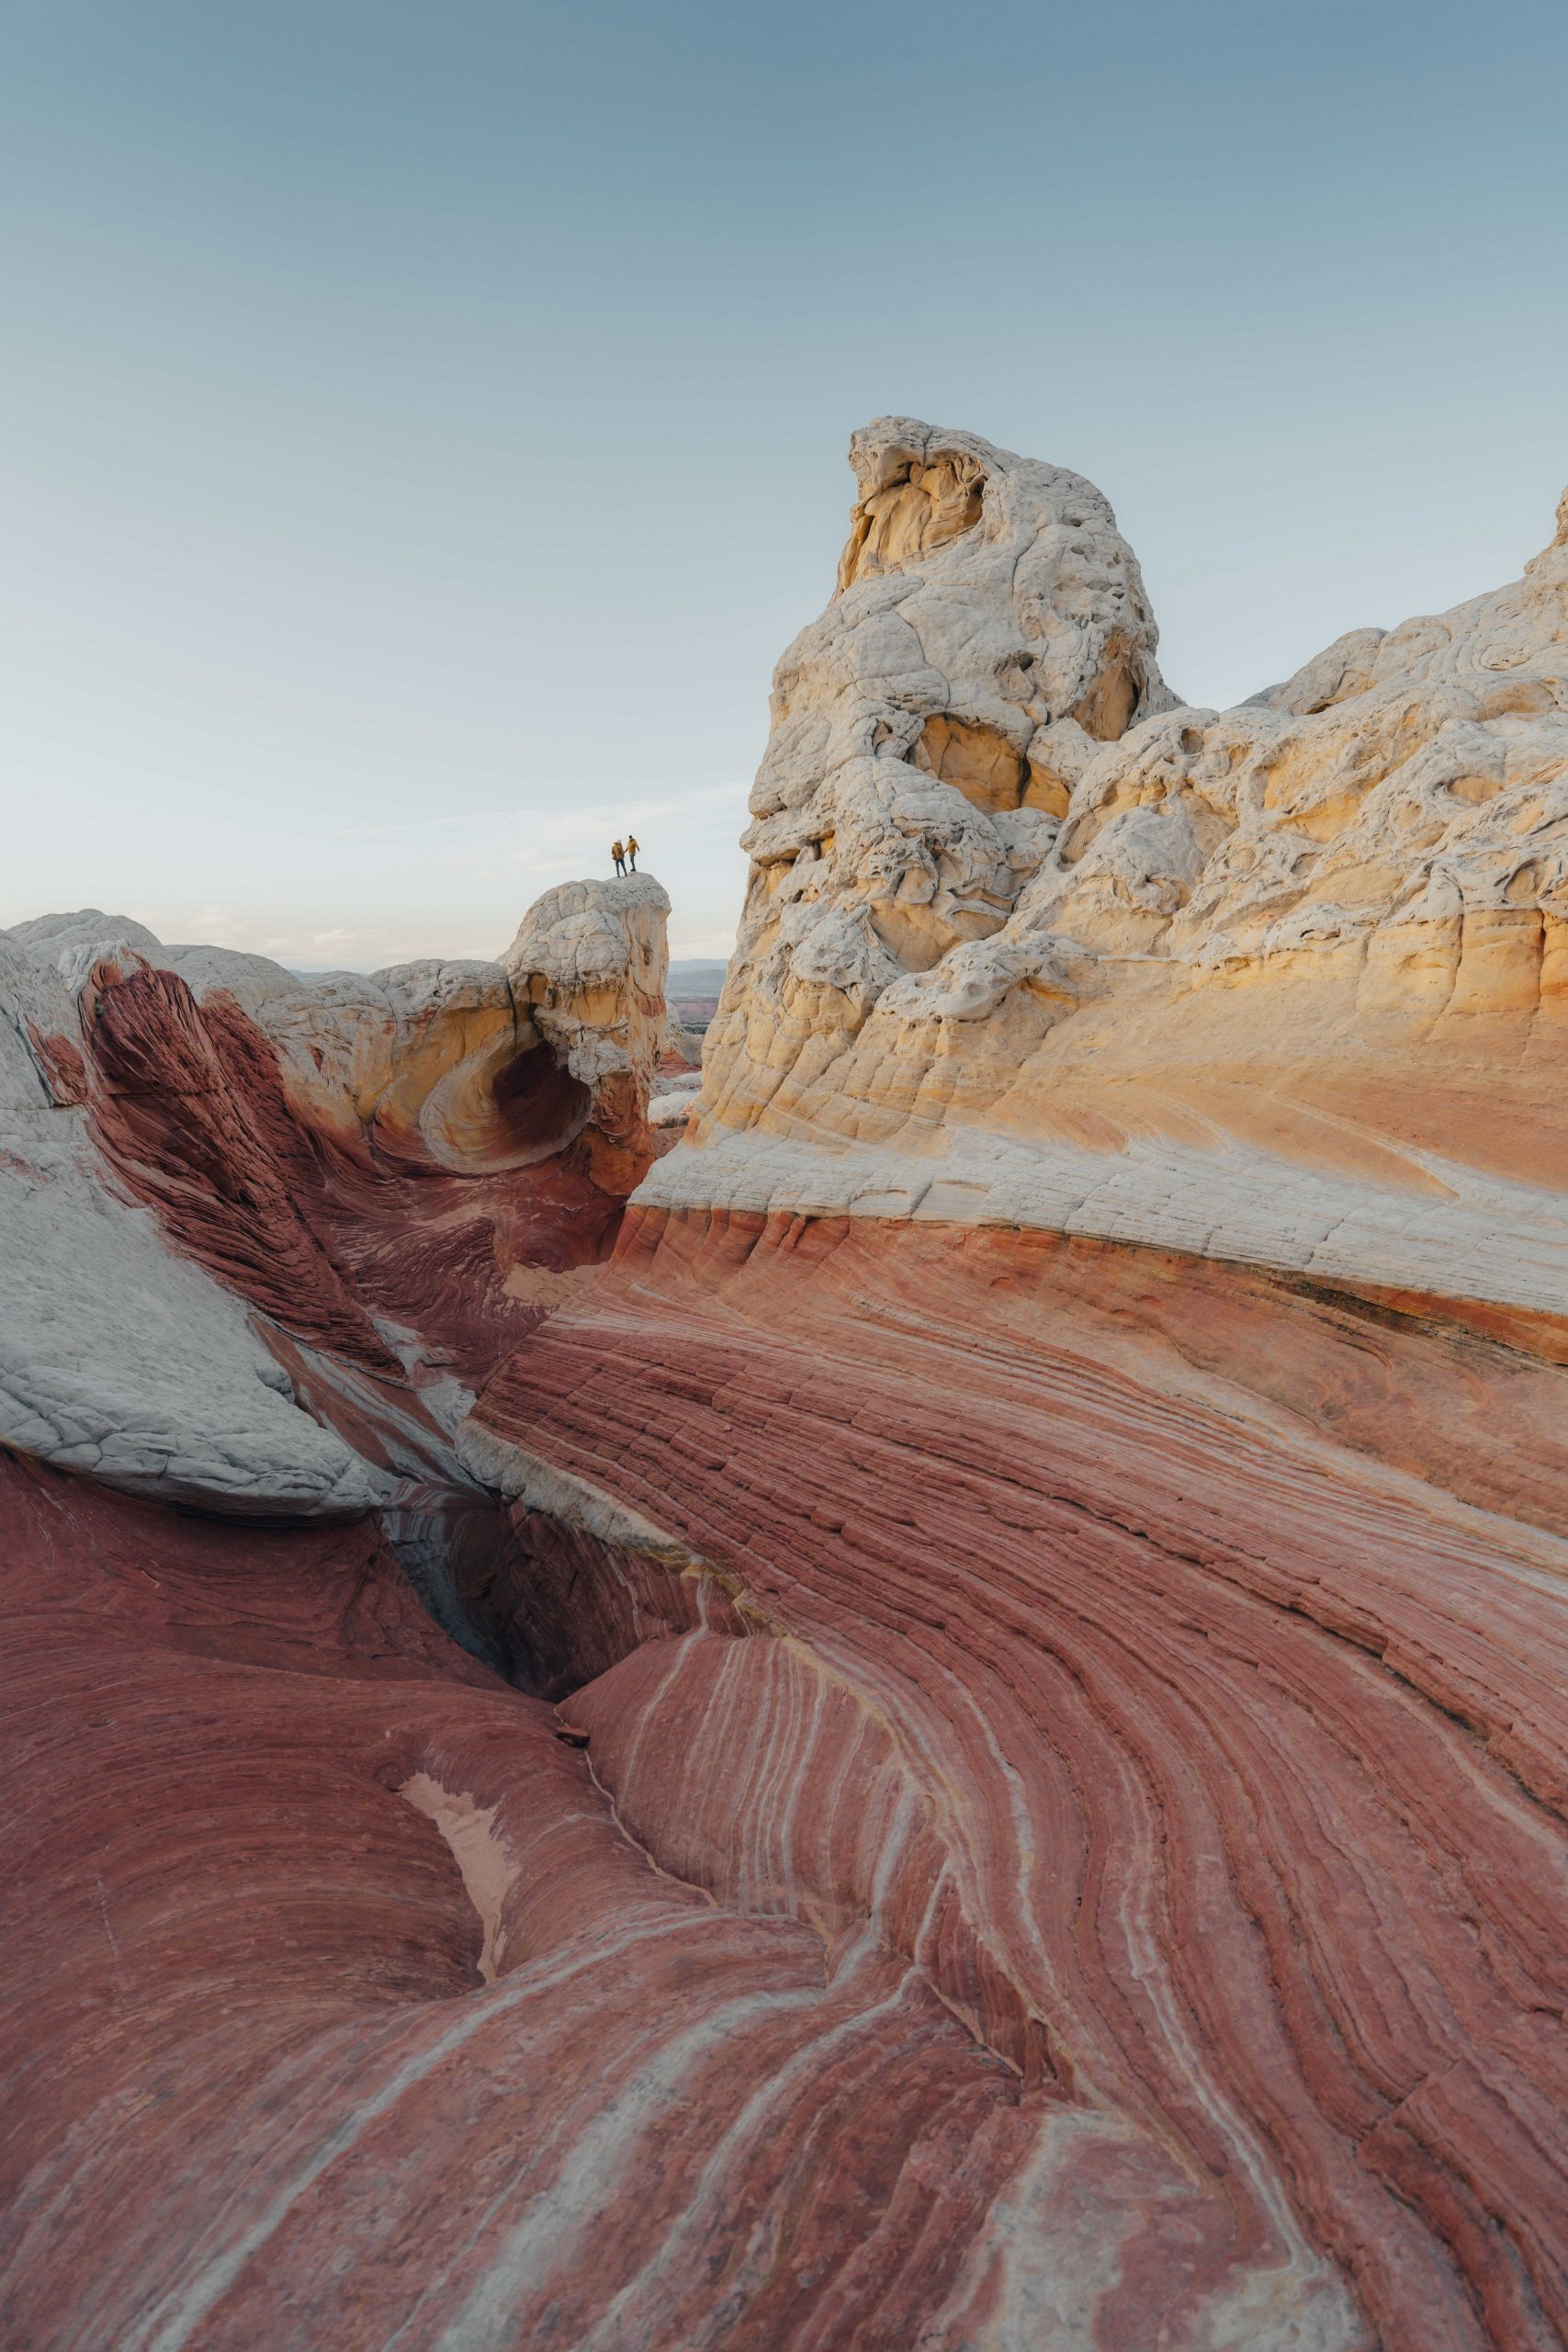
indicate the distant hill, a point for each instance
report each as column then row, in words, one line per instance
column 696, row 979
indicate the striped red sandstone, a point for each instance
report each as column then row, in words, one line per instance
column 260, row 2096
column 1212, row 1772
column 1085, row 1738
column 1020, row 1794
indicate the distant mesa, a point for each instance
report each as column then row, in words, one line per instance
column 697, row 977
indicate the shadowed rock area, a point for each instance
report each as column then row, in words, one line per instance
column 914, row 1697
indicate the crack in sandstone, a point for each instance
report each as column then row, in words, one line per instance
column 594, row 1508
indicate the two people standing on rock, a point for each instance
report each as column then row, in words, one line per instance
column 623, row 851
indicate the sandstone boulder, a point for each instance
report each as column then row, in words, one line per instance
column 198, row 1148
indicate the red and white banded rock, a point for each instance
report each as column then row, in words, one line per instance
column 1127, row 1652
column 1238, row 982
column 1003, row 1777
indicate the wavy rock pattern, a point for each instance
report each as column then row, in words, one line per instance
column 360, row 1165
column 991, row 1768
column 1209, row 1770
column 261, row 2093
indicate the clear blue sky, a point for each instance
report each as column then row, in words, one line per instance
column 422, row 426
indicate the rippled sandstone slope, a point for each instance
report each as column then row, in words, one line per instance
column 996, row 1773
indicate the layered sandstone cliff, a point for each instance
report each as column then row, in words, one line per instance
column 997, row 1772
column 1027, row 940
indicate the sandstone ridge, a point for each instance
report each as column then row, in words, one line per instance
column 209, row 1158
column 990, row 1770
column 1025, row 937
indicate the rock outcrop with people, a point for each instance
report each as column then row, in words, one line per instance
column 914, row 1697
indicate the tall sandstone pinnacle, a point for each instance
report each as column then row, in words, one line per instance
column 935, row 1721
column 1072, row 953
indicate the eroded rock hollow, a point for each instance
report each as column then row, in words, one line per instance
column 914, row 1699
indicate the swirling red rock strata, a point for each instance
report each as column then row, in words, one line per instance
column 261, row 2094
column 1145, row 1680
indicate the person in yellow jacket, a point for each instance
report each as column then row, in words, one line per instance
column 631, row 851
column 619, row 853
